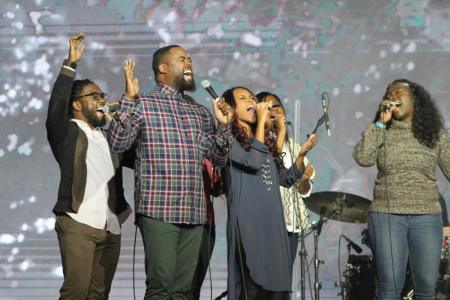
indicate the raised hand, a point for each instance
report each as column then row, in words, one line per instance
column 76, row 49
column 280, row 122
column 308, row 145
column 262, row 112
column 386, row 115
column 309, row 171
column 131, row 83
column 222, row 112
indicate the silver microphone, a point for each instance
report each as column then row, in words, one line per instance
column 208, row 87
column 109, row 107
column 325, row 102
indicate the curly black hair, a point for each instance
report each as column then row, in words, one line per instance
column 241, row 135
column 427, row 119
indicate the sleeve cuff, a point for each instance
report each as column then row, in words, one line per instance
column 68, row 71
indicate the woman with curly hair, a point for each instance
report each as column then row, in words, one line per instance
column 295, row 214
column 407, row 142
column 258, row 247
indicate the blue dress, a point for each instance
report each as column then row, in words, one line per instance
column 255, row 211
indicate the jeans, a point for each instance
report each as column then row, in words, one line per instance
column 393, row 238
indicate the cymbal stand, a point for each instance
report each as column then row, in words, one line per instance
column 317, row 228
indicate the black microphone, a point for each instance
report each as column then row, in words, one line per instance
column 387, row 106
column 109, row 107
column 352, row 244
column 208, row 87
column 325, row 102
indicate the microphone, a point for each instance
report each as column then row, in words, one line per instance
column 352, row 244
column 208, row 87
column 109, row 107
column 387, row 106
column 325, row 102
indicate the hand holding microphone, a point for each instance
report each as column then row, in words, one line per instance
column 222, row 111
column 387, row 107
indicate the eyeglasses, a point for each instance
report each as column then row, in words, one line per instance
column 95, row 95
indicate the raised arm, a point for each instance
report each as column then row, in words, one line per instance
column 58, row 114
column 126, row 123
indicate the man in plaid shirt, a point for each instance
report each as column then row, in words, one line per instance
column 172, row 134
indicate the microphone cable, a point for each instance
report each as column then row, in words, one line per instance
column 234, row 226
column 386, row 190
column 134, row 258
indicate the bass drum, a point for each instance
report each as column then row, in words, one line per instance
column 361, row 277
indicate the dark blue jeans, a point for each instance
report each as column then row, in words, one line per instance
column 393, row 238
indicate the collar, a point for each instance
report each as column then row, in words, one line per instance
column 400, row 125
column 84, row 125
column 165, row 89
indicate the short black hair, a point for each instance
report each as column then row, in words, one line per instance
column 159, row 55
column 77, row 87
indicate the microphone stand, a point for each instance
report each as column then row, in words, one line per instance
column 302, row 252
column 319, row 123
column 317, row 230
column 303, row 261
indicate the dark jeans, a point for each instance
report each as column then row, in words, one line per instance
column 395, row 237
column 89, row 259
column 171, row 253
column 206, row 250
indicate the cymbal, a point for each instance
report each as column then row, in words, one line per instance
column 339, row 206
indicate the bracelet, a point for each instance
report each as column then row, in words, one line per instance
column 380, row 125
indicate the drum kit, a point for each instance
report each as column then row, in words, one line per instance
column 360, row 271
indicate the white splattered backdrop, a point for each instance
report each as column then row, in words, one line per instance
column 351, row 48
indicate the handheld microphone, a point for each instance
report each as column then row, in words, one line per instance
column 325, row 102
column 109, row 107
column 352, row 244
column 208, row 87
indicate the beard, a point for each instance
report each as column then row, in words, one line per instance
column 93, row 119
column 184, row 85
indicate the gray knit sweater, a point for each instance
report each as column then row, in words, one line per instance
column 406, row 181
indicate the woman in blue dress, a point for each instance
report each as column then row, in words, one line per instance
column 259, row 258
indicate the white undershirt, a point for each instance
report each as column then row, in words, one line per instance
column 94, row 210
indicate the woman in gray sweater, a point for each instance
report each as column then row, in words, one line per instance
column 406, row 142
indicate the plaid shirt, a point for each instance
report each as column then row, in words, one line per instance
column 172, row 134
